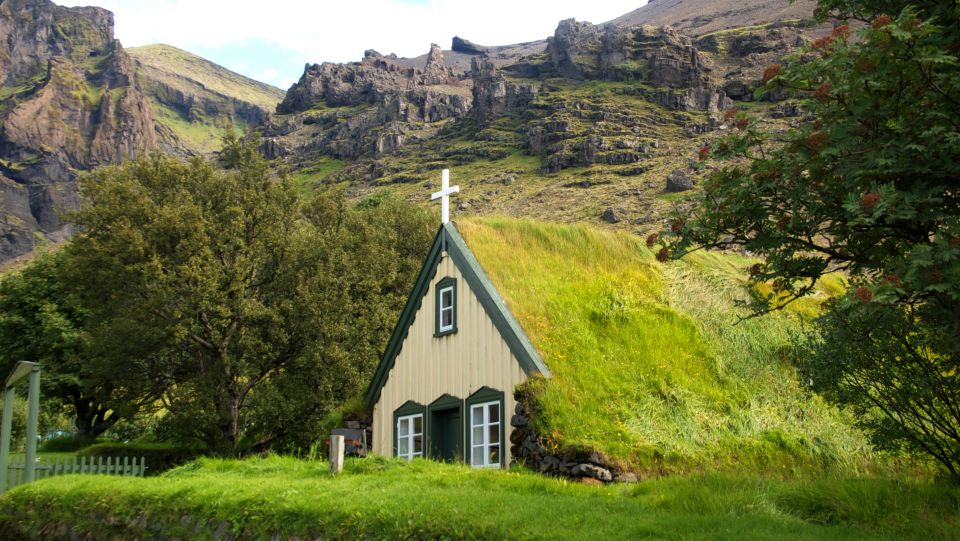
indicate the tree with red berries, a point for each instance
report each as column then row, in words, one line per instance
column 869, row 187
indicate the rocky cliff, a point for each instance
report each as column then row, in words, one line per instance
column 70, row 101
column 73, row 98
column 366, row 108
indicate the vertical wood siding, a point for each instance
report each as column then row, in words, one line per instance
column 458, row 364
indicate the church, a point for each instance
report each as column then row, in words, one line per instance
column 444, row 386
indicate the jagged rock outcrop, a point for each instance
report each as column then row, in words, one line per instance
column 494, row 95
column 659, row 57
column 74, row 105
column 368, row 107
column 464, row 46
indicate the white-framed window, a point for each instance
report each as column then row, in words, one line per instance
column 486, row 442
column 410, row 436
column 445, row 322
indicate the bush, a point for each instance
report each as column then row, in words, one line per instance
column 66, row 444
column 160, row 457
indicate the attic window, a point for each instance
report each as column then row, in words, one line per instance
column 446, row 293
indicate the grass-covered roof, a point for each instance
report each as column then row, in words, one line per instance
column 651, row 363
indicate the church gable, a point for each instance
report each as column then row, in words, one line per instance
column 457, row 352
column 450, row 259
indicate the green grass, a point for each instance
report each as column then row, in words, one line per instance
column 200, row 137
column 307, row 179
column 651, row 365
column 387, row 499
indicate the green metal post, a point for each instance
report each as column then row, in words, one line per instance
column 33, row 414
column 8, row 395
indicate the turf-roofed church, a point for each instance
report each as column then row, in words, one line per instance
column 444, row 386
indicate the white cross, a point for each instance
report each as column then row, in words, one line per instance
column 444, row 194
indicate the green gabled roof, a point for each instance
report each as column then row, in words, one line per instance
column 448, row 240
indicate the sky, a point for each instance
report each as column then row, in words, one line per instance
column 272, row 40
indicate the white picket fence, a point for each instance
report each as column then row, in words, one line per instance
column 53, row 466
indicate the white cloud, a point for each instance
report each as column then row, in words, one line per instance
column 323, row 30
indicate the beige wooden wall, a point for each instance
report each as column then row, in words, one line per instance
column 458, row 364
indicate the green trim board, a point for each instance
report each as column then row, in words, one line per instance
column 448, row 282
column 448, row 240
column 444, row 405
column 482, row 396
column 410, row 408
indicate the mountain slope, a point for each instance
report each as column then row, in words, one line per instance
column 194, row 100
column 699, row 17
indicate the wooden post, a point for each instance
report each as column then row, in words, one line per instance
column 33, row 414
column 336, row 454
column 5, row 436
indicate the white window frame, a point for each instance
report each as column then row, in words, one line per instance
column 453, row 303
column 486, row 423
column 411, row 436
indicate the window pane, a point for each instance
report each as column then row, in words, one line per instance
column 493, row 433
column 403, row 427
column 446, row 318
column 446, row 298
column 477, row 414
column 494, row 413
column 418, row 444
column 477, row 456
column 478, row 435
column 494, row 454
column 403, row 447
column 418, row 424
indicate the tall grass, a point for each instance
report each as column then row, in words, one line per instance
column 652, row 365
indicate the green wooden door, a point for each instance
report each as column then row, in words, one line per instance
column 446, row 435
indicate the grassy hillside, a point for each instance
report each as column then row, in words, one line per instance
column 181, row 67
column 280, row 498
column 651, row 365
column 197, row 100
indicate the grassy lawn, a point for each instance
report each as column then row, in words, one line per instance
column 385, row 499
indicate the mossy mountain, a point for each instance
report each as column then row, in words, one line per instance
column 73, row 98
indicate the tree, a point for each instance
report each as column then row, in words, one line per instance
column 870, row 187
column 40, row 321
column 256, row 312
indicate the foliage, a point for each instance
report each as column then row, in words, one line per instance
column 255, row 312
column 42, row 321
column 647, row 366
column 868, row 188
column 159, row 457
column 382, row 498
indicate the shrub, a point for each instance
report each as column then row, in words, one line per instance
column 160, row 457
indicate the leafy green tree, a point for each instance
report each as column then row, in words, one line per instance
column 869, row 187
column 255, row 311
column 40, row 321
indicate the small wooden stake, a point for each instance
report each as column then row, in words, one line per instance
column 336, row 454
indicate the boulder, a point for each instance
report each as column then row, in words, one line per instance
column 610, row 216
column 679, row 181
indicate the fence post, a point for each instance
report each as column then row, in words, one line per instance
column 8, row 395
column 33, row 414
column 336, row 454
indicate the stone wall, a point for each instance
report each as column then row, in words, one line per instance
column 529, row 448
